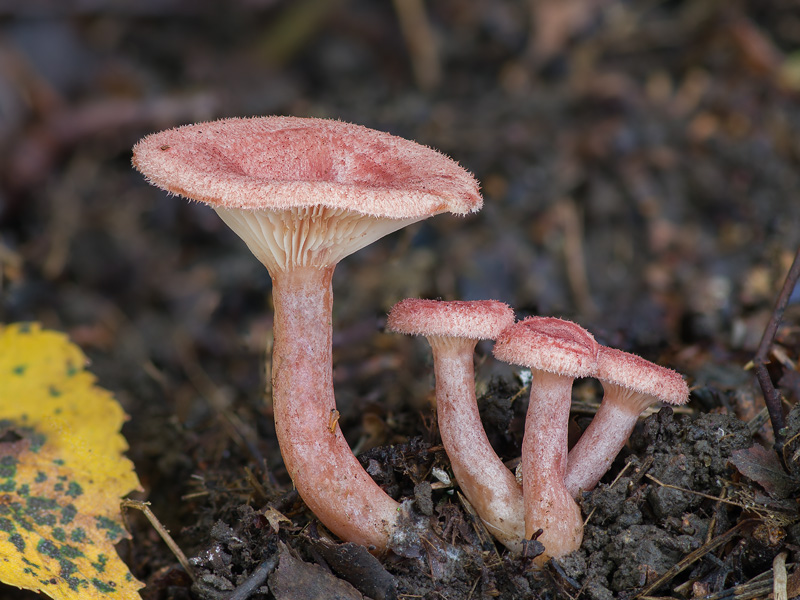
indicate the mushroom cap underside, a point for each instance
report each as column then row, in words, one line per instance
column 281, row 163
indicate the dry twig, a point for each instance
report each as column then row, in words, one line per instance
column 771, row 396
column 694, row 556
column 162, row 531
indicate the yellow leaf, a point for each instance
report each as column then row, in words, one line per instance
column 62, row 472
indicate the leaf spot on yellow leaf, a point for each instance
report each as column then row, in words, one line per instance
column 113, row 529
column 100, row 565
column 8, row 467
column 48, row 548
column 74, row 490
column 78, row 535
column 61, row 471
column 41, row 510
column 71, row 551
column 105, row 587
column 68, row 513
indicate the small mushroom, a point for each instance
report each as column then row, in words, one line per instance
column 303, row 194
column 453, row 329
column 556, row 351
column 631, row 384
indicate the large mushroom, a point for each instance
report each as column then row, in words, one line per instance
column 631, row 384
column 556, row 352
column 453, row 329
column 303, row 194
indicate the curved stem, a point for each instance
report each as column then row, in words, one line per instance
column 599, row 445
column 324, row 470
column 486, row 482
column 548, row 504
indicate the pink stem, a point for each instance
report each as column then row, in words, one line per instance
column 599, row 445
column 486, row 482
column 548, row 504
column 324, row 470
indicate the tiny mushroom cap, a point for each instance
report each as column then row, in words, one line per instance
column 549, row 344
column 556, row 351
column 631, row 385
column 303, row 194
column 474, row 320
column 453, row 329
column 648, row 382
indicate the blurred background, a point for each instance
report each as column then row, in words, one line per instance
column 639, row 162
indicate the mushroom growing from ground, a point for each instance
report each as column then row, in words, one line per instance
column 303, row 194
column 556, row 352
column 453, row 329
column 631, row 384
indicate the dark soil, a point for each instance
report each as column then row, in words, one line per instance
column 640, row 175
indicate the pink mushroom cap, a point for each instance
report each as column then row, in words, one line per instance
column 641, row 376
column 549, row 344
column 476, row 320
column 282, row 163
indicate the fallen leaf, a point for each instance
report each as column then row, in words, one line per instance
column 295, row 579
column 353, row 563
column 62, row 472
column 793, row 585
column 762, row 466
column 275, row 518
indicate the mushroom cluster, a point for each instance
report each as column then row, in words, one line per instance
column 305, row 193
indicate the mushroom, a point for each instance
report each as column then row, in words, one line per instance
column 631, row 384
column 556, row 351
column 303, row 194
column 453, row 329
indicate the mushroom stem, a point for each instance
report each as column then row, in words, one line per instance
column 599, row 445
column 548, row 504
column 324, row 470
column 630, row 385
column 486, row 482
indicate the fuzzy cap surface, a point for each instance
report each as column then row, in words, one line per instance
column 279, row 163
column 549, row 344
column 477, row 320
